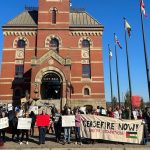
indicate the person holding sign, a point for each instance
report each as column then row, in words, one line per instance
column 14, row 126
column 42, row 121
column 25, row 131
column 77, row 127
column 2, row 131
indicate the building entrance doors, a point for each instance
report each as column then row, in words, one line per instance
column 51, row 86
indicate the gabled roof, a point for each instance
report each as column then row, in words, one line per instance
column 30, row 18
column 27, row 18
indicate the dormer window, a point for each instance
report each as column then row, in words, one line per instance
column 53, row 16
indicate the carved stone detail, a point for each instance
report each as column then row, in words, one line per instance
column 52, row 54
column 19, row 33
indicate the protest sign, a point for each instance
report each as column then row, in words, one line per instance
column 34, row 109
column 42, row 120
column 9, row 107
column 136, row 101
column 100, row 127
column 4, row 123
column 24, row 123
column 68, row 121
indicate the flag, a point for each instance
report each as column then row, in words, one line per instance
column 132, row 135
column 128, row 27
column 143, row 8
column 70, row 4
column 117, row 41
column 110, row 52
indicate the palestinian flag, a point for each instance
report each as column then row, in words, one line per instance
column 132, row 135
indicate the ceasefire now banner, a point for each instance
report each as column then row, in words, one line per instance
column 100, row 127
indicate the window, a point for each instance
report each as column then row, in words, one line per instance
column 54, row 44
column 86, row 91
column 53, row 16
column 19, row 71
column 86, row 71
column 21, row 44
column 85, row 44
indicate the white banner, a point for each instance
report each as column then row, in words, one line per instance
column 4, row 123
column 100, row 127
column 24, row 123
column 68, row 121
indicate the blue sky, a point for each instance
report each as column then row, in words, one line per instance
column 110, row 13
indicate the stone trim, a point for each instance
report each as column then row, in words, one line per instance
column 85, row 38
column 49, row 69
column 19, row 33
column 88, row 87
column 20, row 38
column 86, row 33
column 48, row 39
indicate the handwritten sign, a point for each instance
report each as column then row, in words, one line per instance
column 68, row 121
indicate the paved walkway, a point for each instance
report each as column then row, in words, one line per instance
column 52, row 145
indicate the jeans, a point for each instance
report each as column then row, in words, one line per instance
column 2, row 134
column 67, row 134
column 42, row 134
column 57, row 128
column 77, row 134
column 25, row 132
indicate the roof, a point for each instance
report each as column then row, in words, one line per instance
column 27, row 18
column 30, row 18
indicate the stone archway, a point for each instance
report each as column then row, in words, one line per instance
column 60, row 86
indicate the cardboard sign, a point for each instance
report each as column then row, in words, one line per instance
column 68, row 121
column 4, row 123
column 42, row 120
column 136, row 101
column 9, row 107
column 24, row 123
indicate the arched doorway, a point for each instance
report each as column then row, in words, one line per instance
column 51, row 86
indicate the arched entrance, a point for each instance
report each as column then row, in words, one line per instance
column 51, row 86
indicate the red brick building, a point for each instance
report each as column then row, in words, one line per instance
column 54, row 54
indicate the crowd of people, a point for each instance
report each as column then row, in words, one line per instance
column 62, row 134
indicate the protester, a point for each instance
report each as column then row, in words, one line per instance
column 33, row 116
column 110, row 113
column 43, row 126
column 2, row 131
column 77, row 127
column 57, row 124
column 67, row 130
column 15, row 131
column 25, row 131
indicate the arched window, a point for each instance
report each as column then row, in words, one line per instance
column 21, row 44
column 86, row 91
column 85, row 44
column 53, row 16
column 54, row 44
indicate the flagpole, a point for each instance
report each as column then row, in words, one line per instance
column 110, row 76
column 117, row 72
column 128, row 67
column 145, row 53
